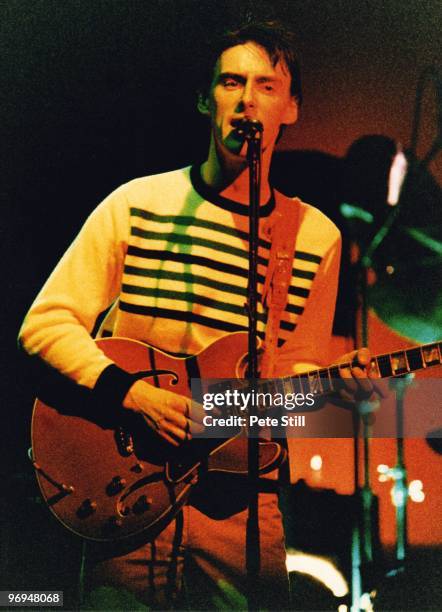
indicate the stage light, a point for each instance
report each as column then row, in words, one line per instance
column 316, row 462
column 365, row 603
column 382, row 470
column 415, row 491
column 319, row 568
column 398, row 170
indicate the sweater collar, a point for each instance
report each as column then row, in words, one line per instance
column 210, row 194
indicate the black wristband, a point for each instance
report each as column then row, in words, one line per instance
column 111, row 388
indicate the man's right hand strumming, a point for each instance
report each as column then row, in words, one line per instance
column 173, row 416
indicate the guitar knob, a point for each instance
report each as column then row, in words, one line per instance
column 87, row 508
column 116, row 485
column 114, row 522
column 138, row 468
column 142, row 504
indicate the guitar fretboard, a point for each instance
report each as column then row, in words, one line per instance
column 327, row 380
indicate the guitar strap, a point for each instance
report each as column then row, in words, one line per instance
column 281, row 228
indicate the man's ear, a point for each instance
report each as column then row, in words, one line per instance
column 291, row 112
column 203, row 104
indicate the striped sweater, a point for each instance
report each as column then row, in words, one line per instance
column 171, row 255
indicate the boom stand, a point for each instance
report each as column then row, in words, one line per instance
column 362, row 537
column 362, row 542
column 399, row 385
column 399, row 475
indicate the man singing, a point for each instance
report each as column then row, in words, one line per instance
column 170, row 253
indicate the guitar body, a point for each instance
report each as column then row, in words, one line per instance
column 110, row 481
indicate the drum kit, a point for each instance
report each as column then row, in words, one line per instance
column 400, row 280
column 390, row 215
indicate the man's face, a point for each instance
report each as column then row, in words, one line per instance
column 245, row 84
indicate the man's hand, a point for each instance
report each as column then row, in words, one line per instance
column 174, row 417
column 358, row 386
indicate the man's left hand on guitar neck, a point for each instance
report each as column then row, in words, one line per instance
column 358, row 385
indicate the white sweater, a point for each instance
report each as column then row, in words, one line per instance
column 172, row 256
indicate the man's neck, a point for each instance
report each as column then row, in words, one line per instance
column 229, row 174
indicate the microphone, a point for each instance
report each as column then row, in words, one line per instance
column 248, row 128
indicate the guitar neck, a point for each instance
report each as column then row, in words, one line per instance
column 326, row 380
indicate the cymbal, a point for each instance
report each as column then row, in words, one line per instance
column 402, row 243
column 407, row 292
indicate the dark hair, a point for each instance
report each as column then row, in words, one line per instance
column 277, row 40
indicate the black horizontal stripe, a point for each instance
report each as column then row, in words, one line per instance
column 287, row 326
column 176, row 238
column 218, row 227
column 184, row 296
column 188, row 258
column 187, row 278
column 299, row 291
column 303, row 274
column 308, row 257
column 194, row 221
column 294, row 308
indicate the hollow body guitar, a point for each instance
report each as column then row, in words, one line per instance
column 109, row 481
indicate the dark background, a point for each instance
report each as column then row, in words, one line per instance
column 96, row 93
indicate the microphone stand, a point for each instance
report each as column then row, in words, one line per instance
column 252, row 131
column 399, row 472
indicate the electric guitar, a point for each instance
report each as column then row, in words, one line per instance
column 108, row 481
